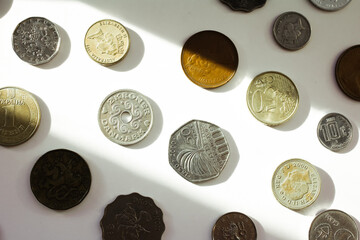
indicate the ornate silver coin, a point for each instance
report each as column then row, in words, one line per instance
column 125, row 117
column 333, row 225
column 36, row 40
column 330, row 5
column 198, row 151
column 334, row 131
column 291, row 30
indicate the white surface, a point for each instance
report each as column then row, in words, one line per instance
column 71, row 87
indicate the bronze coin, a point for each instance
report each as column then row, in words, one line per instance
column 347, row 72
column 132, row 216
column 60, row 179
column 209, row 59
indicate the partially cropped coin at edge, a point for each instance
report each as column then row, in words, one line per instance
column 245, row 6
column 330, row 5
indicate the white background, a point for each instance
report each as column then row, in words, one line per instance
column 71, row 87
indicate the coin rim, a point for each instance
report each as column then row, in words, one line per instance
column 328, row 9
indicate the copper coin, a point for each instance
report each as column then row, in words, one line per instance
column 347, row 72
column 209, row 59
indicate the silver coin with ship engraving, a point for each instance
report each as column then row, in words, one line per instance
column 125, row 117
column 330, row 5
column 333, row 225
column 36, row 40
column 198, row 151
column 334, row 131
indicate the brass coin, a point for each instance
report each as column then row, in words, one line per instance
column 296, row 184
column 19, row 116
column 272, row 98
column 209, row 59
column 347, row 72
column 107, row 42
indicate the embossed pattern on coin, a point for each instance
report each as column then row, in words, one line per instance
column 19, row 116
column 272, row 98
column 333, row 225
column 107, row 42
column 334, row 131
column 234, row 225
column 134, row 217
column 198, row 151
column 330, row 5
column 125, row 117
column 296, row 184
column 291, row 30
column 209, row 59
column 244, row 5
column 36, row 40
column 347, row 72
column 60, row 179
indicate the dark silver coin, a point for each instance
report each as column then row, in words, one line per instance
column 334, row 131
column 333, row 225
column 244, row 5
column 291, row 30
column 36, row 40
column 198, row 151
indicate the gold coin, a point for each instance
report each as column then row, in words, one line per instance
column 107, row 42
column 296, row 184
column 272, row 98
column 209, row 59
column 19, row 116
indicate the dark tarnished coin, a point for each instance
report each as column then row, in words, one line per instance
column 234, row 225
column 347, row 72
column 333, row 225
column 209, row 59
column 198, row 151
column 244, row 5
column 334, row 131
column 60, row 179
column 36, row 40
column 130, row 217
column 330, row 5
column 291, row 30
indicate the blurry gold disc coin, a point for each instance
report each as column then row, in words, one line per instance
column 272, row 98
column 19, row 116
column 107, row 42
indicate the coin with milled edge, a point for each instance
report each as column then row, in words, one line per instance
column 334, row 131
column 330, row 5
column 209, row 59
column 234, row 225
column 125, row 117
column 296, row 184
column 333, row 225
column 36, row 40
column 347, row 72
column 198, row 151
column 60, row 179
column 19, row 116
column 244, row 5
column 107, row 42
column 291, row 30
column 132, row 216
column 272, row 98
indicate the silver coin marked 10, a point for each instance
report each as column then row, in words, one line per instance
column 291, row 30
column 36, row 40
column 334, row 131
column 330, row 5
column 198, row 151
column 125, row 117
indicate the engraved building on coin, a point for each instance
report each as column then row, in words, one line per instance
column 198, row 151
column 36, row 40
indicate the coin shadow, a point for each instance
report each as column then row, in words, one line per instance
column 64, row 51
column 134, row 56
column 354, row 140
column 5, row 7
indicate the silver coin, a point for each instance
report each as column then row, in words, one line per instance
column 125, row 117
column 36, row 40
column 291, row 30
column 333, row 225
column 330, row 5
column 198, row 151
column 334, row 131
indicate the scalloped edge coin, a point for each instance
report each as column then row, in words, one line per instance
column 247, row 6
